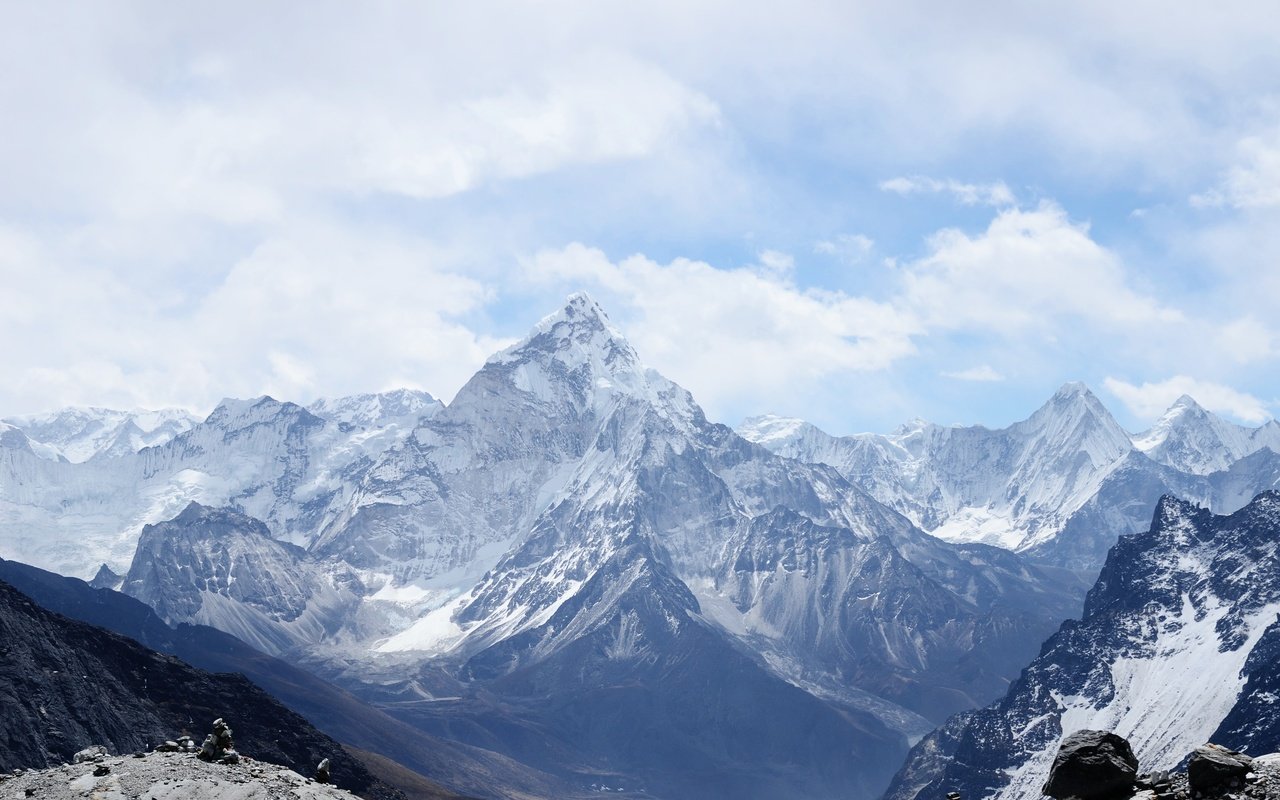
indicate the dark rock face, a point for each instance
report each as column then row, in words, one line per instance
column 330, row 709
column 282, row 598
column 1213, row 768
column 1092, row 764
column 106, row 579
column 1190, row 564
column 65, row 685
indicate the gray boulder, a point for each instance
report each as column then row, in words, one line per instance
column 1213, row 768
column 1092, row 764
column 94, row 752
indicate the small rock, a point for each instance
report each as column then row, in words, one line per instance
column 100, row 770
column 322, row 776
column 1092, row 764
column 167, row 747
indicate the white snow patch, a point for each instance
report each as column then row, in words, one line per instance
column 435, row 632
column 983, row 526
column 1166, row 703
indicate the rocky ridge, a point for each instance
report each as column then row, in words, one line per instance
column 1176, row 646
column 65, row 685
column 166, row 776
column 1061, row 485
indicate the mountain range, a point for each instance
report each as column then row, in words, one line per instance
column 569, row 566
column 1060, row 486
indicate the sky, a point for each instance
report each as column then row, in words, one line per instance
column 854, row 213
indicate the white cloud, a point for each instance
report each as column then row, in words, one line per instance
column 195, row 206
column 1028, row 270
column 849, row 247
column 733, row 335
column 1254, row 180
column 969, row 194
column 599, row 107
column 311, row 310
column 984, row 374
column 1246, row 340
column 1150, row 400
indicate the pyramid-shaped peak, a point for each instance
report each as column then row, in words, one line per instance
column 579, row 310
column 1072, row 390
column 580, row 331
column 1185, row 403
column 232, row 413
column 1072, row 398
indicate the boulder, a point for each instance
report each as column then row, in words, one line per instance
column 1092, row 764
column 94, row 752
column 1213, row 767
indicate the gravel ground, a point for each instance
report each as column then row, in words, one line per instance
column 166, row 776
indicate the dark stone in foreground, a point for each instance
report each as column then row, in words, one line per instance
column 1092, row 764
column 1213, row 767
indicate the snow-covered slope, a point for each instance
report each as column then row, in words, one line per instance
column 399, row 407
column 1013, row 487
column 1191, row 439
column 274, row 460
column 79, row 434
column 1163, row 656
column 223, row 569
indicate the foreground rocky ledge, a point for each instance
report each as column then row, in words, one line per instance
column 1100, row 765
column 166, row 776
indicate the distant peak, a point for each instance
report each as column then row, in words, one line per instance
column 241, row 413
column 1072, row 398
column 1073, row 389
column 581, row 300
column 579, row 309
column 580, row 325
column 913, row 425
column 193, row 510
column 771, row 428
column 1186, row 403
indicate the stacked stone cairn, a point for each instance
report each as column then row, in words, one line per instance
column 218, row 746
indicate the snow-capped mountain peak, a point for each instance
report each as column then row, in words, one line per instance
column 1073, row 421
column 1190, row 438
column 578, row 334
column 577, row 361
column 78, row 434
column 234, row 414
column 1013, row 487
column 377, row 410
column 769, row 428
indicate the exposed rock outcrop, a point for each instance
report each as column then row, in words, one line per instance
column 1092, row 765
